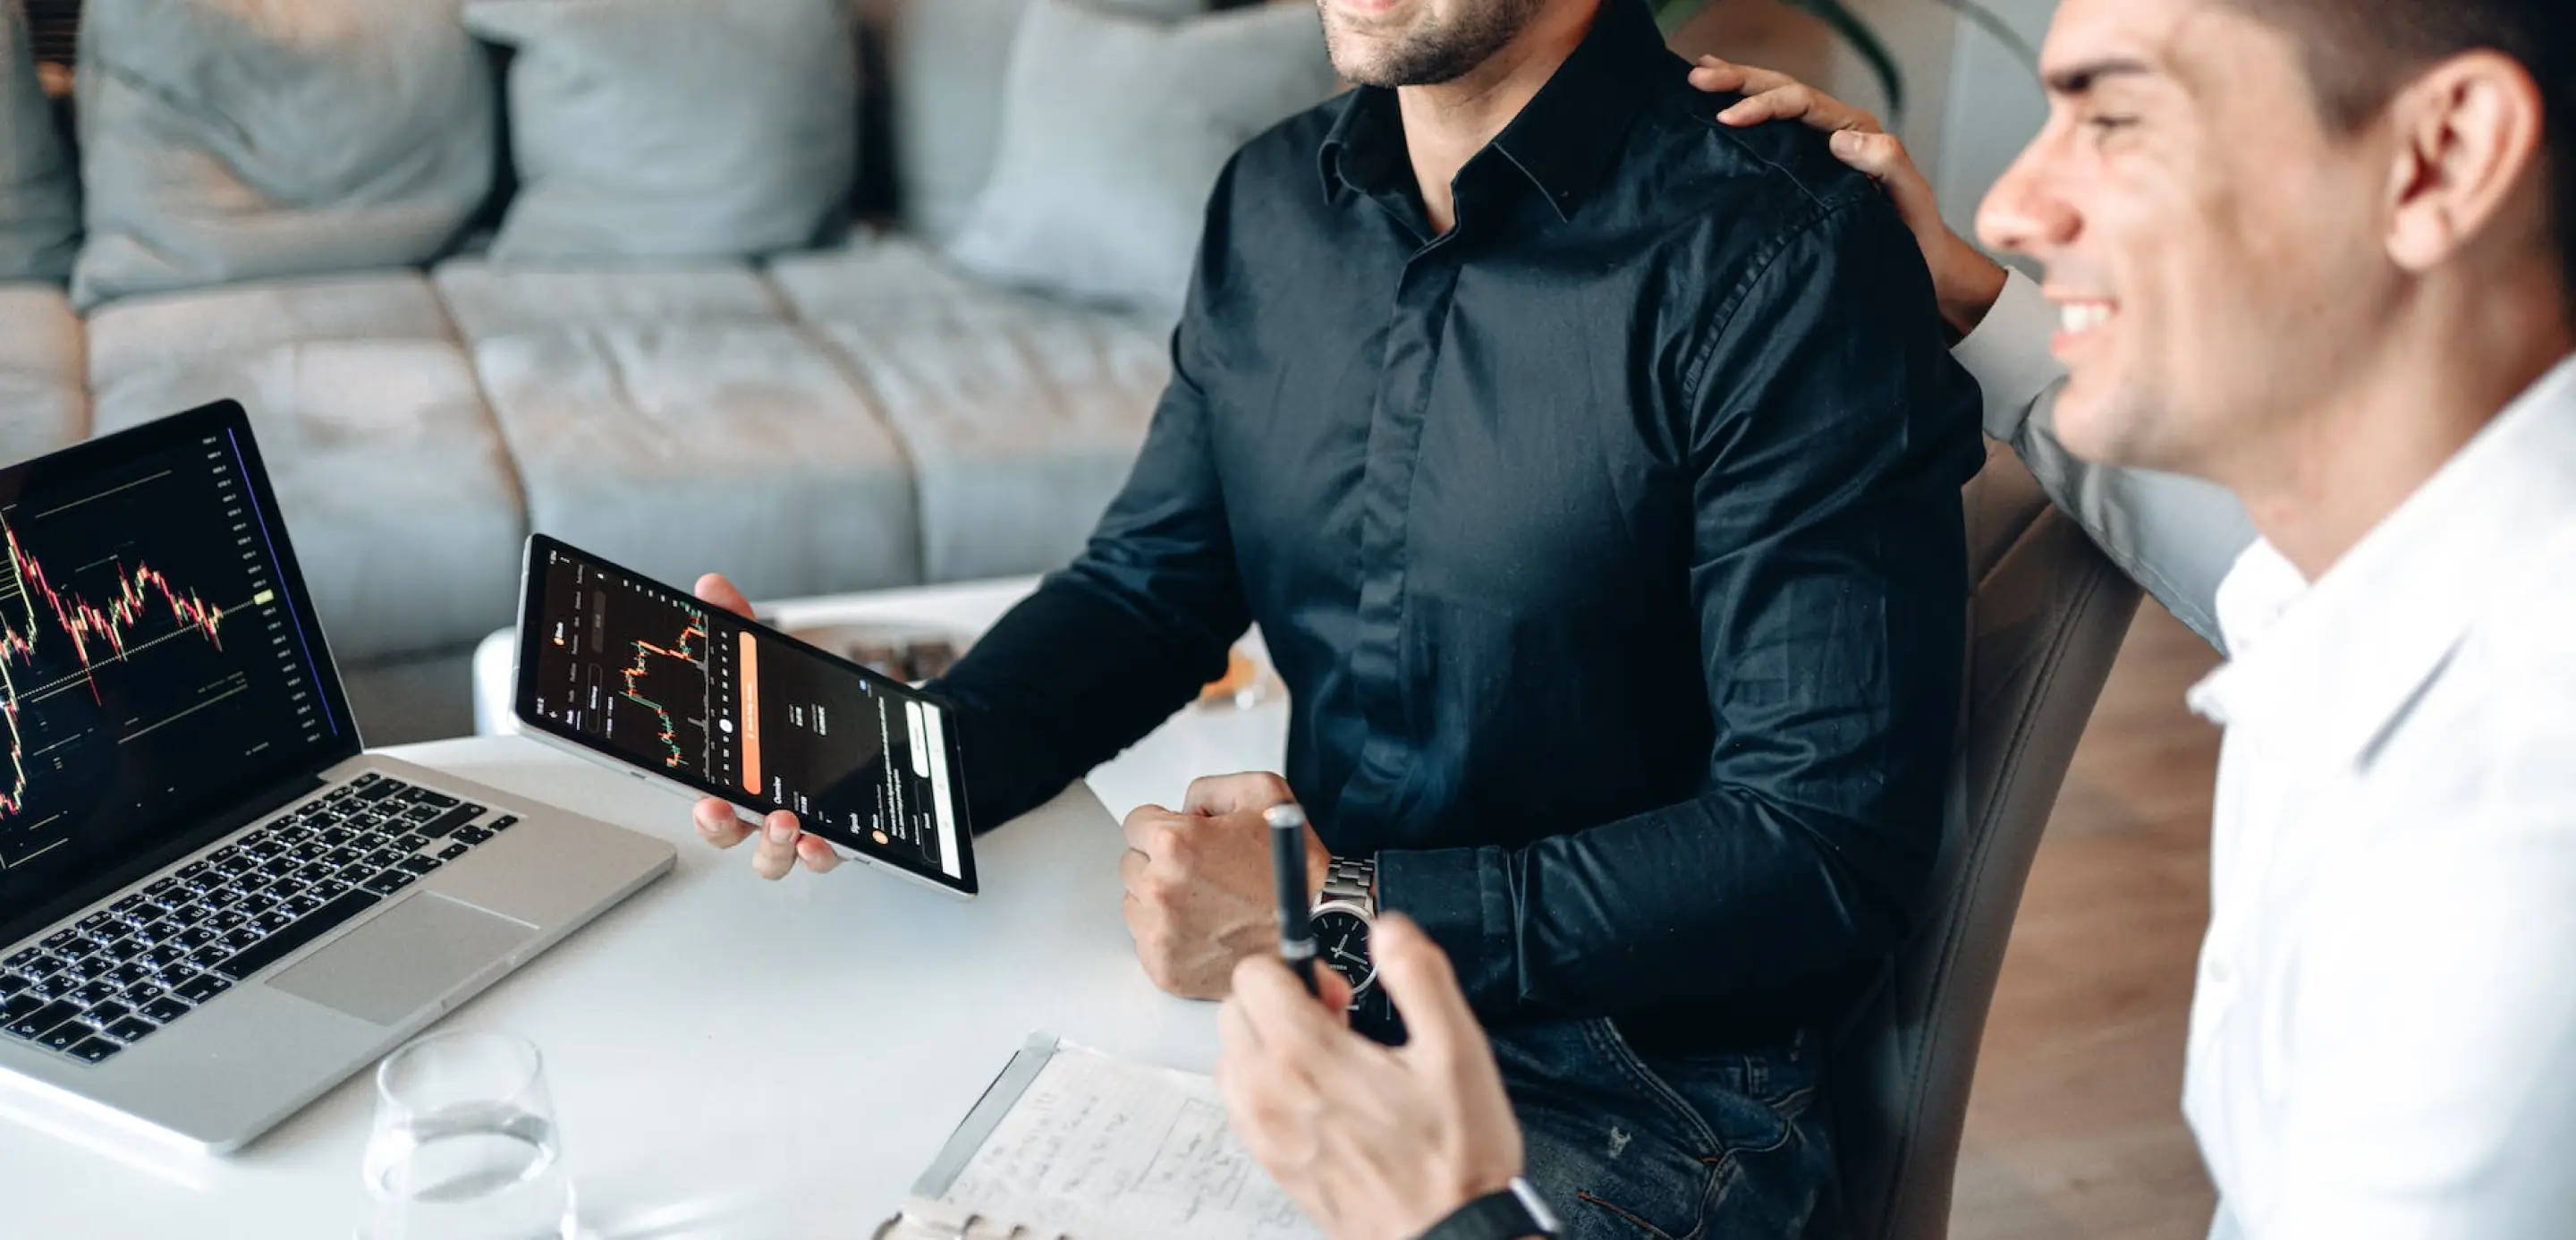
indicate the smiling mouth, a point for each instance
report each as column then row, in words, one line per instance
column 2082, row 318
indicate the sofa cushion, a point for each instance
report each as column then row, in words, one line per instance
column 39, row 196
column 233, row 139
column 1114, row 131
column 661, row 129
column 487, row 301
column 689, row 448
column 888, row 277
column 172, row 329
column 1021, row 426
column 43, row 403
column 390, row 477
column 945, row 61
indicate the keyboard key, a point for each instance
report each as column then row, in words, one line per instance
column 455, row 850
column 502, row 823
column 258, row 905
column 33, row 1025
column 92, row 922
column 221, row 855
column 229, row 919
column 421, row 865
column 470, row 835
column 450, row 820
column 45, row 964
column 191, row 870
column 129, row 973
column 95, row 1050
column 303, row 904
column 271, row 921
column 53, row 985
column 15, row 1007
column 19, row 962
column 279, row 946
column 337, row 836
column 411, row 842
column 12, row 984
column 288, row 890
column 105, row 1014
column 389, row 882
column 87, row 967
column 165, row 1009
column 140, row 995
column 194, row 937
column 208, row 956
column 378, row 790
column 239, row 938
column 441, row 800
column 163, row 956
column 330, row 889
column 131, row 1030
column 64, row 1036
column 202, row 987
column 96, row 992
column 280, row 866
column 60, row 939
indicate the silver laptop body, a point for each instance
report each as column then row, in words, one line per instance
column 203, row 976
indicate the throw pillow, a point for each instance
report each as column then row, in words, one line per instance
column 231, row 139
column 39, row 198
column 669, row 129
column 945, row 64
column 1114, row 131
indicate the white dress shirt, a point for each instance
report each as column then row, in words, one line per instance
column 2383, row 1039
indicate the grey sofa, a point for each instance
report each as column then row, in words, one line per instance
column 854, row 417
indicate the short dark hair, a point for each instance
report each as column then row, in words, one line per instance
column 2359, row 52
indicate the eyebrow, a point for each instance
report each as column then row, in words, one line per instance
column 2079, row 78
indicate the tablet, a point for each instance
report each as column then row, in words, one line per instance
column 626, row 671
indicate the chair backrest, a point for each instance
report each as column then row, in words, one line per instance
column 2048, row 615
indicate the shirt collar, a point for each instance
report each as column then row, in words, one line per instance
column 2320, row 671
column 1563, row 140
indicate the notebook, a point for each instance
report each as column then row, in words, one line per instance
column 1072, row 1144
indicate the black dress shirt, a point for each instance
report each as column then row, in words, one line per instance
column 1609, row 545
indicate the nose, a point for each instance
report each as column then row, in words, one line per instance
column 2028, row 211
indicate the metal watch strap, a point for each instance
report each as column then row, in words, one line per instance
column 1511, row 1213
column 1353, row 879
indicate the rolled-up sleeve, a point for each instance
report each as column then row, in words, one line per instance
column 2176, row 536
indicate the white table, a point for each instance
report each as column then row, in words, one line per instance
column 728, row 1057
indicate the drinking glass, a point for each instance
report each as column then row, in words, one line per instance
column 464, row 1144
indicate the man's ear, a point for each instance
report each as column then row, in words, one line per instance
column 2467, row 150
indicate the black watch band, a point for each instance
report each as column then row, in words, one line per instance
column 1513, row 1212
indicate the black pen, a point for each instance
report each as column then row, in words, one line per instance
column 1288, row 866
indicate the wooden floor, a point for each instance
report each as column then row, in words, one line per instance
column 2075, row 1129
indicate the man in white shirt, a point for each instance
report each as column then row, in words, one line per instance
column 2323, row 253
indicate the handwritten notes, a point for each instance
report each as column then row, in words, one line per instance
column 1103, row 1149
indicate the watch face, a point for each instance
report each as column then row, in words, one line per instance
column 1342, row 941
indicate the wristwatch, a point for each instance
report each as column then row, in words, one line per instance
column 1510, row 1213
column 1342, row 921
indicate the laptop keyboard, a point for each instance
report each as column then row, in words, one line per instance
column 125, row 972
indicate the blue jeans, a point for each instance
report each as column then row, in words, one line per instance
column 1705, row 1146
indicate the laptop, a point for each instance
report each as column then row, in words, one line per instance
column 214, row 903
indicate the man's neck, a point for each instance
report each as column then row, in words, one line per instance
column 1445, row 125
column 2446, row 369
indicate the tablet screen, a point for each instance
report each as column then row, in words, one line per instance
column 634, row 669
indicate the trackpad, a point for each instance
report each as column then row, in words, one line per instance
column 399, row 963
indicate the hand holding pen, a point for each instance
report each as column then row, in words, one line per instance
column 1288, row 867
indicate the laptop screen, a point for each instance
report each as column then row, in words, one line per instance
column 159, row 665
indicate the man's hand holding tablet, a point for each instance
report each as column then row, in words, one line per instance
column 783, row 842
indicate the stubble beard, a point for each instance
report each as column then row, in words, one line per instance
column 1433, row 53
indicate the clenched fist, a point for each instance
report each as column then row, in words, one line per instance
column 1199, row 896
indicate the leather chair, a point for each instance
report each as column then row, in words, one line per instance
column 2047, row 617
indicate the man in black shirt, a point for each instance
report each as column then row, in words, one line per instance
column 1593, row 472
